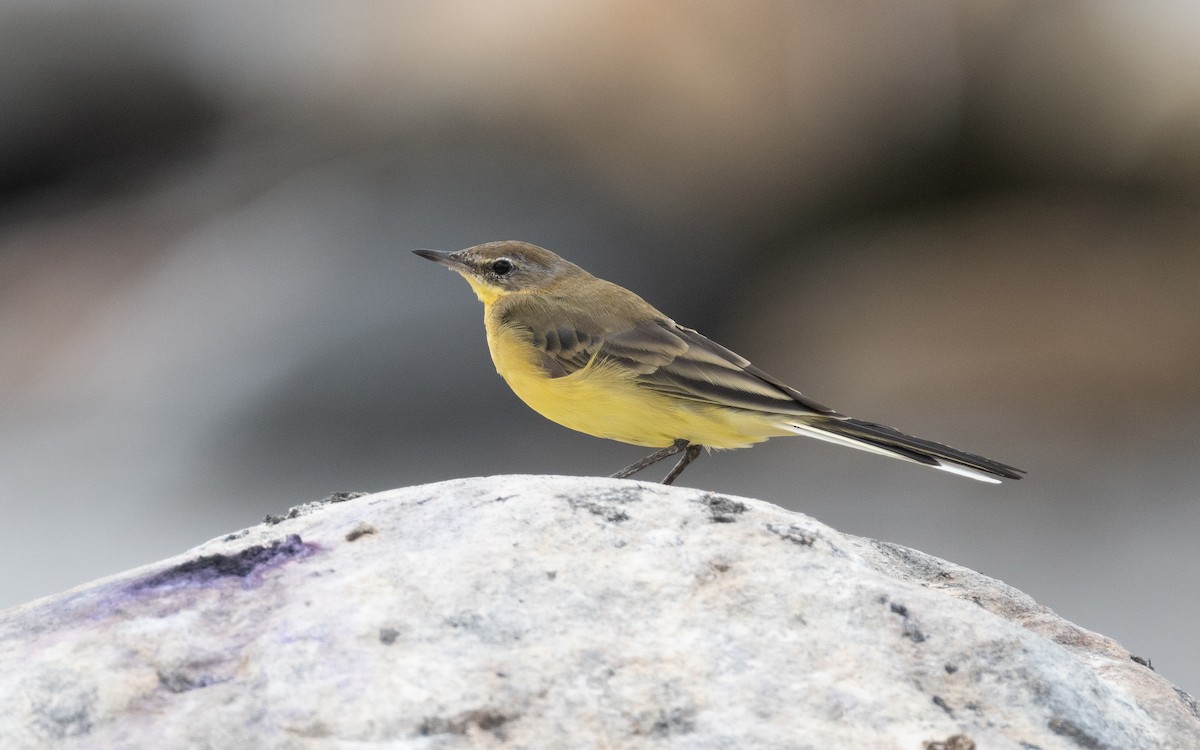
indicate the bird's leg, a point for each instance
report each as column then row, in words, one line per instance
column 689, row 455
column 653, row 458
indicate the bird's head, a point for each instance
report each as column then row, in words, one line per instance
column 497, row 269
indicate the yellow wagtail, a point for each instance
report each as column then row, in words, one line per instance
column 597, row 358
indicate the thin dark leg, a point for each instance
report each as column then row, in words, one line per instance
column 688, row 456
column 653, row 458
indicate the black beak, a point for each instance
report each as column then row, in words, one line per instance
column 438, row 256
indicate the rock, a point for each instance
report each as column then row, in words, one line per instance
column 554, row 612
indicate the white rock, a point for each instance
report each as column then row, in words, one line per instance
column 552, row 612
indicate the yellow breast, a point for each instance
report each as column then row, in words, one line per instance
column 604, row 400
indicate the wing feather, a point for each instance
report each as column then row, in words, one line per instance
column 709, row 372
column 663, row 356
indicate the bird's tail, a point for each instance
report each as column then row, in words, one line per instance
column 886, row 441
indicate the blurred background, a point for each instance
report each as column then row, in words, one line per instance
column 974, row 221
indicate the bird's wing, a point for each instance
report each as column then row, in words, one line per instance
column 703, row 370
column 666, row 357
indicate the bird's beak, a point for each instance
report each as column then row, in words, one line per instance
column 446, row 259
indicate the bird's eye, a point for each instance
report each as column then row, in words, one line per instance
column 502, row 267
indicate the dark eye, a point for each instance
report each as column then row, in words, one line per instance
column 502, row 266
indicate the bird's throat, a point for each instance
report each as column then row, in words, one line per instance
column 486, row 293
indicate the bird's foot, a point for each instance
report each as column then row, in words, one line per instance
column 690, row 452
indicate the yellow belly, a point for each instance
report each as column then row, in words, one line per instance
column 604, row 401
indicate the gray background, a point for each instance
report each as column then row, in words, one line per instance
column 973, row 221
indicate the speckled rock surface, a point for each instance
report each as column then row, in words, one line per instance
column 553, row 612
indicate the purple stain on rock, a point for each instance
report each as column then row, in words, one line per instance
column 243, row 564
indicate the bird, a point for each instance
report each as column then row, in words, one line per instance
column 597, row 358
